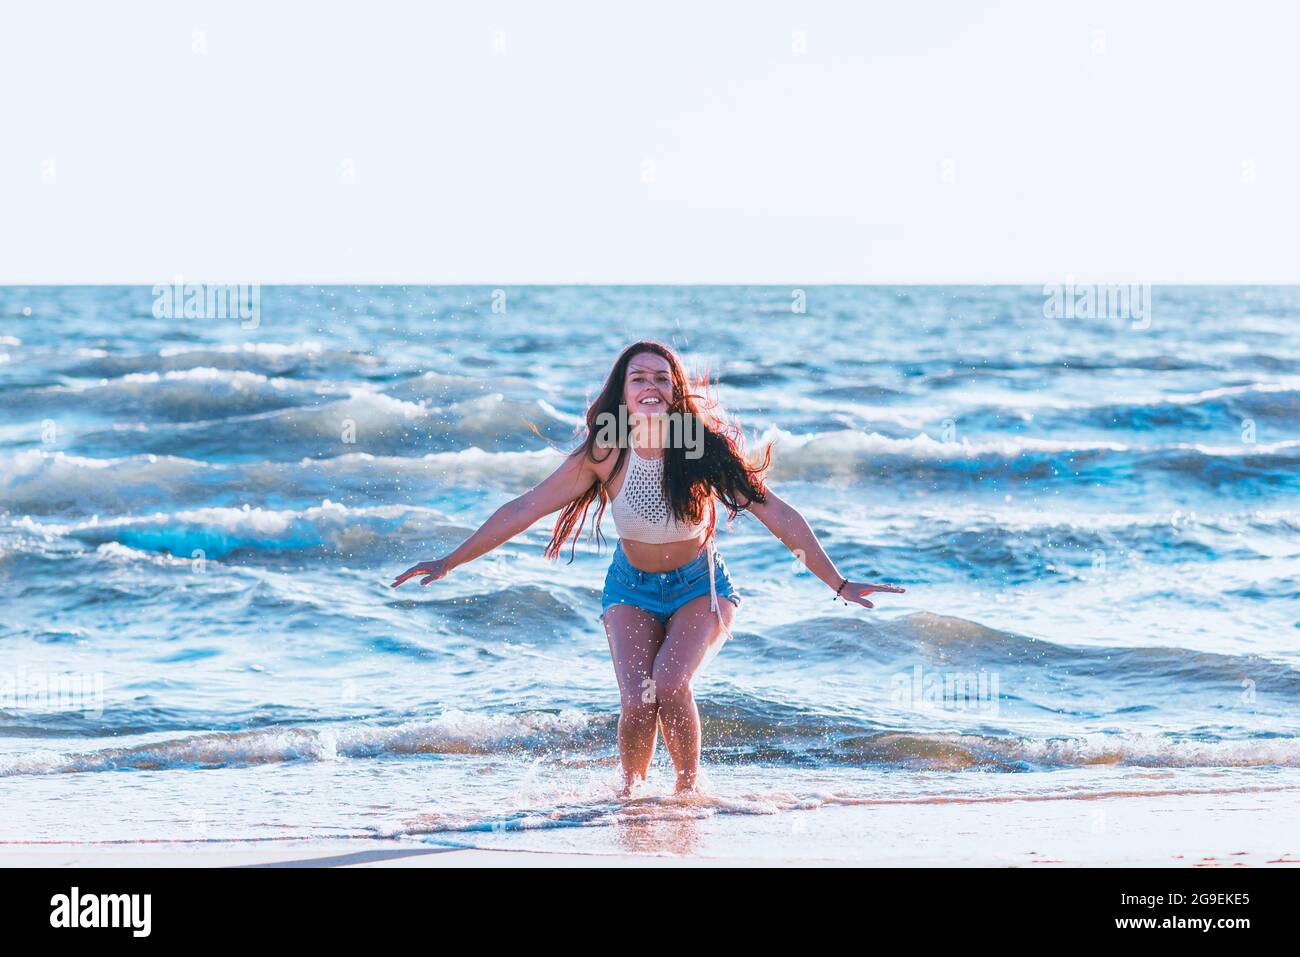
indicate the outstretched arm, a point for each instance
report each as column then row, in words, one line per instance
column 785, row 522
column 566, row 483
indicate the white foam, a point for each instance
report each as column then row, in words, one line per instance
column 921, row 446
column 272, row 349
column 453, row 732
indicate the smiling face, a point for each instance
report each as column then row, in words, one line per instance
column 648, row 386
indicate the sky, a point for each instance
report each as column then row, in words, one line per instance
column 522, row 142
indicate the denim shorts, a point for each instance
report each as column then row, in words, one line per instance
column 662, row 593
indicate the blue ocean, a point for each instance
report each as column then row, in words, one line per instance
column 1097, row 521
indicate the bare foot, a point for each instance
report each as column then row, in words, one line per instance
column 686, row 784
column 630, row 787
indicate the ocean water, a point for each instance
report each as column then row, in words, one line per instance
column 1095, row 520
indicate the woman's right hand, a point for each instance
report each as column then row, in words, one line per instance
column 432, row 571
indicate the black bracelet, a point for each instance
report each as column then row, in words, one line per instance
column 840, row 589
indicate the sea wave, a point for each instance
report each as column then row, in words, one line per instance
column 1020, row 548
column 574, row 733
column 455, row 732
column 41, row 482
column 1265, row 403
column 266, row 358
column 510, row 445
column 219, row 532
column 365, row 421
column 852, row 455
column 186, row 395
column 1271, row 405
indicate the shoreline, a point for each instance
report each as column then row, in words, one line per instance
column 1205, row 830
column 342, row 852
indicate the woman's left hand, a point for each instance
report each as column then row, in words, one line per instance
column 857, row 592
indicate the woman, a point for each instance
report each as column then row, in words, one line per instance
column 661, row 606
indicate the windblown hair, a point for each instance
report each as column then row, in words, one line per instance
column 722, row 470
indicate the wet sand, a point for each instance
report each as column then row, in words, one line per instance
column 1234, row 829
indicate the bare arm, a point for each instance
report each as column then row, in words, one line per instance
column 794, row 532
column 566, row 483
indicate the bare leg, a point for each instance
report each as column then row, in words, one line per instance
column 634, row 638
column 692, row 631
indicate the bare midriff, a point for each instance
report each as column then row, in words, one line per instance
column 661, row 558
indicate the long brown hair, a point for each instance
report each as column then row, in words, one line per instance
column 722, row 469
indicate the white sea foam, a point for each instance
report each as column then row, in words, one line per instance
column 460, row 732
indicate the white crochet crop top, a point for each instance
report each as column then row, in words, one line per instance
column 640, row 511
